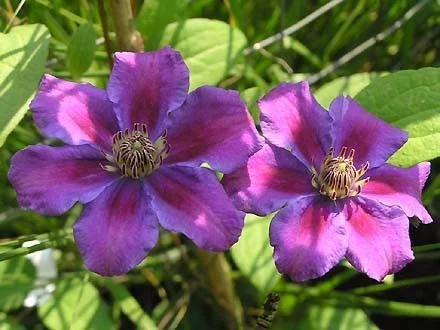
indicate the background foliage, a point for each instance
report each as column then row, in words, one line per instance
column 166, row 292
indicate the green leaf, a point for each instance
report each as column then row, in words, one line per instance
column 16, row 280
column 251, row 96
column 409, row 100
column 333, row 318
column 253, row 253
column 81, row 50
column 154, row 16
column 75, row 304
column 23, row 54
column 129, row 306
column 211, row 48
column 349, row 85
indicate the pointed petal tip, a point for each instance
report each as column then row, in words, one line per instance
column 290, row 112
column 145, row 87
column 350, row 122
column 402, row 187
column 379, row 242
column 424, row 171
column 50, row 180
column 76, row 113
column 309, row 238
column 117, row 230
column 380, row 276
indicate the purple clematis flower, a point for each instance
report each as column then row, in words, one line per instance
column 133, row 157
column 326, row 171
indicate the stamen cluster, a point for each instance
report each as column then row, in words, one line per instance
column 134, row 154
column 338, row 177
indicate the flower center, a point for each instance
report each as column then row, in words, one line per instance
column 134, row 154
column 338, row 177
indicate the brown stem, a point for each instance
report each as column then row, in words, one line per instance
column 218, row 279
column 9, row 7
column 104, row 24
column 128, row 38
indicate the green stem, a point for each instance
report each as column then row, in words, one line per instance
column 11, row 214
column 349, row 300
column 48, row 240
column 91, row 74
column 428, row 247
column 384, row 307
column 399, row 284
column 427, row 256
column 336, row 280
column 218, row 280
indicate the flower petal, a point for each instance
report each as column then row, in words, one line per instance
column 271, row 177
column 309, row 238
column 379, row 242
column 212, row 126
column 391, row 185
column 75, row 113
column 192, row 201
column 145, row 86
column 50, row 180
column 117, row 230
column 355, row 128
column 291, row 118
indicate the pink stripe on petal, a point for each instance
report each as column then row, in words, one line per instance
column 144, row 87
column 379, row 242
column 391, row 185
column 270, row 178
column 355, row 128
column 212, row 126
column 50, row 180
column 117, row 230
column 291, row 118
column 192, row 201
column 75, row 113
column 309, row 238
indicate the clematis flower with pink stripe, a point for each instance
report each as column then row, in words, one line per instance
column 132, row 156
column 326, row 173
